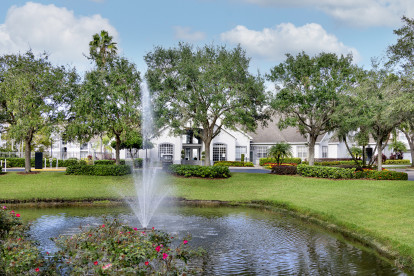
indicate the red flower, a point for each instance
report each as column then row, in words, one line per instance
column 37, row 269
column 95, row 263
column 153, row 228
column 135, row 229
column 158, row 248
column 164, row 256
column 18, row 215
column 103, row 225
column 185, row 242
column 146, row 263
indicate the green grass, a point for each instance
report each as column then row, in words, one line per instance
column 383, row 210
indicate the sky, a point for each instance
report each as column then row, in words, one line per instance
column 266, row 29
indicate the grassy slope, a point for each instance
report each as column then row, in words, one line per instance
column 385, row 209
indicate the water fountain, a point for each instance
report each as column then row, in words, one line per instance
column 148, row 182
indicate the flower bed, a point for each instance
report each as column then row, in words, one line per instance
column 283, row 160
column 200, row 171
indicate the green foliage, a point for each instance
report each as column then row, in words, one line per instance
column 200, row 171
column 356, row 152
column 8, row 220
column 233, row 164
column 20, row 162
column 34, row 96
column 280, row 151
column 385, row 175
column 284, row 170
column 263, row 161
column 107, row 170
column 117, row 249
column 209, row 87
column 397, row 162
column 309, row 89
column 102, row 49
column 108, row 162
column 325, row 172
column 331, row 163
column 138, row 162
column 242, row 158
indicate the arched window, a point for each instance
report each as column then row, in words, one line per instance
column 219, row 152
column 166, row 149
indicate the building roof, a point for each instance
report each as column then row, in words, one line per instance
column 272, row 134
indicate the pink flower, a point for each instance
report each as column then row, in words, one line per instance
column 106, row 266
column 185, row 242
column 153, row 228
column 95, row 263
column 47, row 253
column 37, row 269
column 164, row 256
column 12, row 212
column 146, row 263
column 18, row 215
column 4, row 207
column 103, row 225
column 135, row 229
column 158, row 248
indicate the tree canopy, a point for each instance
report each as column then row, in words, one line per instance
column 308, row 90
column 205, row 88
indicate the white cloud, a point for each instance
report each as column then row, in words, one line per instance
column 64, row 36
column 273, row 43
column 353, row 12
column 185, row 33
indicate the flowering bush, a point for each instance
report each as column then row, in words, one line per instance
column 233, row 164
column 263, row 161
column 115, row 249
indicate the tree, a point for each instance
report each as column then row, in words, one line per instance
column 132, row 140
column 102, row 49
column 33, row 95
column 109, row 103
column 280, row 151
column 205, row 88
column 402, row 54
column 398, row 148
column 308, row 92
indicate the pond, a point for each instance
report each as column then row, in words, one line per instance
column 239, row 240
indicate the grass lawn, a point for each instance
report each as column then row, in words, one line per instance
column 380, row 209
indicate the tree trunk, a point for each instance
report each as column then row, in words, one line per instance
column 363, row 156
column 28, row 150
column 379, row 155
column 312, row 142
column 117, row 147
column 207, row 143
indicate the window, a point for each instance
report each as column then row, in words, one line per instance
column 302, row 152
column 166, row 149
column 261, row 151
column 219, row 152
column 84, row 146
column 239, row 152
column 324, row 152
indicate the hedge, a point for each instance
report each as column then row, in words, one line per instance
column 332, row 163
column 263, row 161
column 284, row 170
column 385, row 175
column 200, row 171
column 233, row 164
column 397, row 162
column 325, row 172
column 108, row 170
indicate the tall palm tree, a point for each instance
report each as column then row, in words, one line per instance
column 280, row 151
column 102, row 48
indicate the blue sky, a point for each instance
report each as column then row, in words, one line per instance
column 267, row 29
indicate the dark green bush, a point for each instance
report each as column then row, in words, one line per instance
column 325, row 172
column 104, row 162
column 138, row 162
column 284, row 170
column 233, row 164
column 332, row 163
column 107, row 170
column 284, row 160
column 200, row 171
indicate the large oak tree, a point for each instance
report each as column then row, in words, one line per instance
column 205, row 88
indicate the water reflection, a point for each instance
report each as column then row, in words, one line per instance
column 240, row 241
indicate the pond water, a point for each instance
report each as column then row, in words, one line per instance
column 239, row 241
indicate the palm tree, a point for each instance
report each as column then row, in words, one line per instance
column 280, row 151
column 102, row 48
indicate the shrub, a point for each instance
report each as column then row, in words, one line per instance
column 325, row 172
column 200, row 171
column 284, row 170
column 332, row 163
column 8, row 219
column 100, row 170
column 284, row 160
column 115, row 249
column 397, row 162
column 386, row 175
column 138, row 162
column 233, row 164
column 106, row 162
